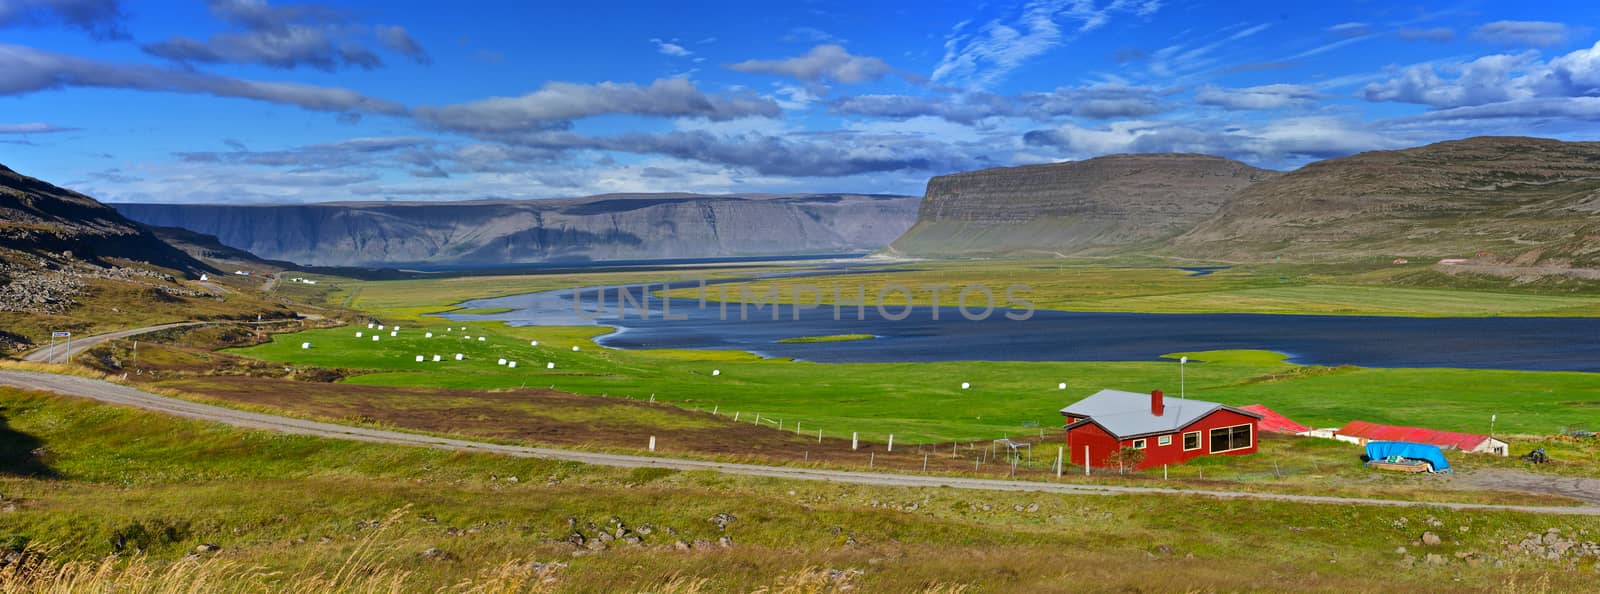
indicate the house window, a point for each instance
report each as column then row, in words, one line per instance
column 1191, row 441
column 1138, row 444
column 1164, row 440
column 1227, row 439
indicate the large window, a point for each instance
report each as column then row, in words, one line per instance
column 1191, row 441
column 1138, row 444
column 1227, row 439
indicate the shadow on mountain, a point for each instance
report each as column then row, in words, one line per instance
column 22, row 454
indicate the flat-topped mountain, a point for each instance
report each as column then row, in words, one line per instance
column 42, row 219
column 1098, row 204
column 606, row 227
column 1522, row 200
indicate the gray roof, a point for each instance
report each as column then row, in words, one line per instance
column 1127, row 414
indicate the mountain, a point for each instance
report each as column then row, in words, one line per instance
column 606, row 227
column 1524, row 201
column 1096, row 205
column 207, row 248
column 37, row 218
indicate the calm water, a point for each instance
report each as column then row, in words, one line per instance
column 1544, row 344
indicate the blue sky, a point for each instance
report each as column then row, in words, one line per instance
column 256, row 101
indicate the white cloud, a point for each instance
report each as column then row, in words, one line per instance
column 32, row 128
column 1528, row 33
column 558, row 102
column 823, row 63
column 26, row 70
column 671, row 48
column 1277, row 96
column 1492, row 79
column 1278, row 141
column 982, row 58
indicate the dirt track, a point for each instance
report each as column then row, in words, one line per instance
column 124, row 395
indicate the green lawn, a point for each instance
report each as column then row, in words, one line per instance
column 1094, row 286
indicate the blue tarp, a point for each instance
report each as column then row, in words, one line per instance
column 1378, row 450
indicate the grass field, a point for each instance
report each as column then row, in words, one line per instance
column 1268, row 289
column 828, row 338
column 923, row 402
column 291, row 511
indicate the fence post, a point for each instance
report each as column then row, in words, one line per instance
column 891, row 442
column 1061, row 452
column 1086, row 463
column 1163, row 472
column 854, row 440
column 819, row 436
column 736, row 416
column 714, row 410
column 870, row 457
column 797, row 427
column 924, row 462
column 652, row 443
column 758, row 418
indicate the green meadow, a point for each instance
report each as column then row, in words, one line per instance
column 924, row 402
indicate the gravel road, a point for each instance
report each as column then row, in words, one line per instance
column 124, row 395
column 84, row 343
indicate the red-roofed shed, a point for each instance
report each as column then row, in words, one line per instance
column 1466, row 442
column 1274, row 422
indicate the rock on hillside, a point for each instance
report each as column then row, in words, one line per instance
column 39, row 218
column 1097, row 205
column 1522, row 201
column 607, row 227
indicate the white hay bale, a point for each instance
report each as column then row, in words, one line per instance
column 512, row 364
column 392, row 334
column 460, row 356
column 533, row 343
column 437, row 358
column 549, row 365
column 380, row 326
column 500, row 362
column 716, row 372
column 1061, row 386
column 574, row 348
column 369, row 325
column 374, row 338
column 480, row 339
column 305, row 345
column 965, row 385
column 419, row 358
column 358, row 334
column 428, row 335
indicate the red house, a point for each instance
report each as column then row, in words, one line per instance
column 1168, row 430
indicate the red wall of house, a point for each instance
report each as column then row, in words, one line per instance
column 1102, row 445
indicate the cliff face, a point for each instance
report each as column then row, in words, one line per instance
column 1524, row 201
column 616, row 226
column 1078, row 207
column 42, row 219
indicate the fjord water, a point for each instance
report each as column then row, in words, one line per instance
column 1533, row 344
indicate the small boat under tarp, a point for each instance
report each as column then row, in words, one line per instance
column 1406, row 457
